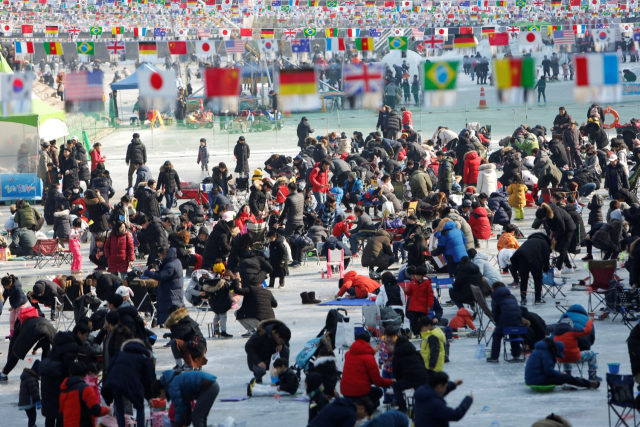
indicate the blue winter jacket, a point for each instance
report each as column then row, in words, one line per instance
column 500, row 207
column 16, row 295
column 540, row 365
column 505, row 308
column 341, row 412
column 431, row 410
column 131, row 374
column 453, row 241
column 170, row 279
column 354, row 188
column 182, row 388
column 338, row 193
column 580, row 317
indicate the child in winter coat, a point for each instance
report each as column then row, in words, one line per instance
column 317, row 399
column 217, row 289
column 407, row 119
column 61, row 225
column 29, row 397
column 420, row 295
column 74, row 246
column 92, row 380
column 203, row 156
column 78, row 402
column 517, row 200
column 96, row 156
column 508, row 239
column 277, row 258
column 385, row 356
column 462, row 319
column 287, row 382
column 595, row 209
column 342, row 227
column 432, row 348
column 17, row 298
column 566, row 333
column 97, row 255
column 325, row 366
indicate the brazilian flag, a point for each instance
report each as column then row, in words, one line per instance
column 310, row 32
column 96, row 31
column 85, row 48
column 398, row 43
column 440, row 75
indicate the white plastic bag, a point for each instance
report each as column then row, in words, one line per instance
column 344, row 335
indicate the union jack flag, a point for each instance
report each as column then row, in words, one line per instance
column 364, row 78
column 290, row 33
column 434, row 42
column 74, row 31
column 115, row 47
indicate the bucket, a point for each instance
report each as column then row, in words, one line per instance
column 487, row 353
column 614, row 368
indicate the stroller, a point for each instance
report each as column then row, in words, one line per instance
column 326, row 337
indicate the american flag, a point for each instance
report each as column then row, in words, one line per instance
column 204, row 32
column 234, row 46
column 84, row 86
column 417, row 32
column 563, row 37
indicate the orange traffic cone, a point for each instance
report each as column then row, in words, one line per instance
column 201, row 107
column 483, row 101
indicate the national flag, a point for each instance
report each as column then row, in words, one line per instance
column 488, row 30
column 602, row 37
column 139, row 32
column 465, row 30
column 375, row 32
column 298, row 89
column 267, row 33
column 564, row 37
column 353, row 32
column 117, row 30
column 234, row 46
column 84, row 91
column 26, row 29
column 515, row 72
column 498, row 39
column 398, row 43
column 246, row 32
column 224, row 32
column 203, row 33
column 156, row 87
column 332, row 4
column 177, row 48
column 310, row 32
column 290, row 33
column 444, row 32
column 331, row 32
column 434, row 42
column 74, row 31
column 268, row 46
column 52, row 48
column 365, row 43
column 222, row 87
column 530, row 39
column 464, row 40
column 23, row 48
column 556, row 3
column 115, row 47
column 597, row 78
column 417, row 33
column 513, row 30
column 205, row 48
column 300, row 45
column 95, row 31
column 16, row 93
column 50, row 30
column 440, row 75
column 159, row 32
column 85, row 48
column 336, row 44
column 147, row 48
column 364, row 82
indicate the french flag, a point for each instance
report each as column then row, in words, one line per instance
column 23, row 48
column 596, row 70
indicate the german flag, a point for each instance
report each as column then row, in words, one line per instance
column 556, row 3
column 51, row 29
column 267, row 33
column 464, row 40
column 298, row 82
column 147, row 48
column 488, row 30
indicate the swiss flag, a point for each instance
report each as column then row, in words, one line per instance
column 205, row 48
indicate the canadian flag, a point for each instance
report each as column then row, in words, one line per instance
column 156, row 86
column 205, row 48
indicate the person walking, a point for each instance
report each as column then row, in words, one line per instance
column 542, row 86
column 135, row 151
column 169, row 180
column 303, row 131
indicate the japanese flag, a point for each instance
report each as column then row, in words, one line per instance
column 157, row 88
column 225, row 33
column 529, row 40
column 205, row 48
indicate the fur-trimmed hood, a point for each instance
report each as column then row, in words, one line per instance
column 257, row 185
column 506, row 150
column 441, row 224
column 264, row 323
column 324, row 359
column 487, row 166
column 163, row 168
column 214, row 288
column 92, row 197
column 131, row 346
column 549, row 210
column 176, row 317
column 61, row 213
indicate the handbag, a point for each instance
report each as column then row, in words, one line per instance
column 344, row 335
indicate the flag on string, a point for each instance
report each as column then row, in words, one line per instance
column 336, row 44
column 95, row 31
column 363, row 84
column 147, row 48
column 115, row 47
column 398, row 43
column 515, row 78
column 439, row 83
column 23, row 48
column 157, row 88
column 16, row 93
column 298, row 89
column 222, row 88
column 597, row 78
column 365, row 43
column 52, row 48
column 177, row 47
column 300, row 46
column 85, row 48
column 498, row 39
column 205, row 48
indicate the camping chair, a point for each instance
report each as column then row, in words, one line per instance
column 621, row 395
column 549, row 285
column 201, row 311
column 60, row 308
column 372, row 321
column 627, row 303
column 442, row 283
column 335, row 257
column 313, row 252
column 142, row 300
column 64, row 257
column 485, row 311
column 513, row 334
column 45, row 252
column 601, row 272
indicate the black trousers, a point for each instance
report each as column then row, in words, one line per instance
column 562, row 247
column 524, row 270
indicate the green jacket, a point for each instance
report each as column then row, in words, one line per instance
column 541, row 84
column 420, row 184
column 445, row 174
column 26, row 216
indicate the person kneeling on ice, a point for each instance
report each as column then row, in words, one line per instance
column 287, row 382
column 271, row 337
column 183, row 388
column 343, row 411
column 356, row 285
column 541, row 363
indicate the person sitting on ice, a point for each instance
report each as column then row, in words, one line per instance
column 283, row 382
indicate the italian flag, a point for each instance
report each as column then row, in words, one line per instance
column 365, row 43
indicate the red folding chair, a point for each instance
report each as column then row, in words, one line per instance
column 602, row 273
column 45, row 252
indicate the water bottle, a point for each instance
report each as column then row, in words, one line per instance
column 344, row 240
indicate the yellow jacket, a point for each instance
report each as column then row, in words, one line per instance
column 517, row 198
column 426, row 349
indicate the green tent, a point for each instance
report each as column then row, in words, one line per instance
column 4, row 66
column 49, row 122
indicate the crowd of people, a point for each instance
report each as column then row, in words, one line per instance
column 405, row 207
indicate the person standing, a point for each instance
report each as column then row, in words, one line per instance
column 169, row 275
column 80, row 154
column 319, row 179
column 615, row 176
column 136, row 151
column 44, row 158
column 181, row 106
column 303, row 131
column 203, row 156
column 415, row 90
column 562, row 228
column 169, row 180
column 390, row 93
column 241, row 152
column 571, row 142
column 546, row 67
column 542, row 86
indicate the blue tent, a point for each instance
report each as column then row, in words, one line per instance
column 131, row 82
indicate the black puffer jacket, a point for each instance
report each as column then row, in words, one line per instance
column 258, row 303
column 169, row 179
column 261, row 346
column 136, row 151
column 505, row 308
column 32, row 330
column 149, row 203
column 29, row 388
column 580, row 234
column 84, row 174
column 511, row 168
column 199, row 244
column 194, row 211
column 218, row 245
column 45, row 292
column 107, row 284
column 610, row 236
column 558, row 220
column 535, row 251
column 54, row 369
column 15, row 294
column 254, row 267
column 468, row 274
column 219, row 295
column 69, row 165
column 184, row 328
column 97, row 209
column 242, row 153
column 595, row 210
column 257, row 198
column 156, row 237
column 102, row 185
column 235, row 255
column 408, row 363
column 394, row 121
column 558, row 153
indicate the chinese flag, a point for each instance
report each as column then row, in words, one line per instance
column 178, row 48
column 246, row 32
column 221, row 82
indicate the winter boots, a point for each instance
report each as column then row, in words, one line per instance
column 593, row 376
column 309, row 298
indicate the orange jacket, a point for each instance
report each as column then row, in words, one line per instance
column 461, row 319
column 364, row 285
column 507, row 241
column 568, row 335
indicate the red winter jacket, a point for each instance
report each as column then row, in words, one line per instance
column 435, row 165
column 480, row 224
column 119, row 252
column 364, row 285
column 471, row 168
column 568, row 335
column 407, row 118
column 360, row 371
column 319, row 180
column 79, row 404
column 421, row 296
column 461, row 319
column 96, row 157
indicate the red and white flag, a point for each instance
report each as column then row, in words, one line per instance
column 205, row 48
column 115, row 47
column 222, row 88
column 157, row 88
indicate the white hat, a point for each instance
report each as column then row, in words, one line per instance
column 227, row 216
column 124, row 291
column 613, row 158
column 75, row 138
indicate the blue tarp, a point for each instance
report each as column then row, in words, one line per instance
column 131, row 82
